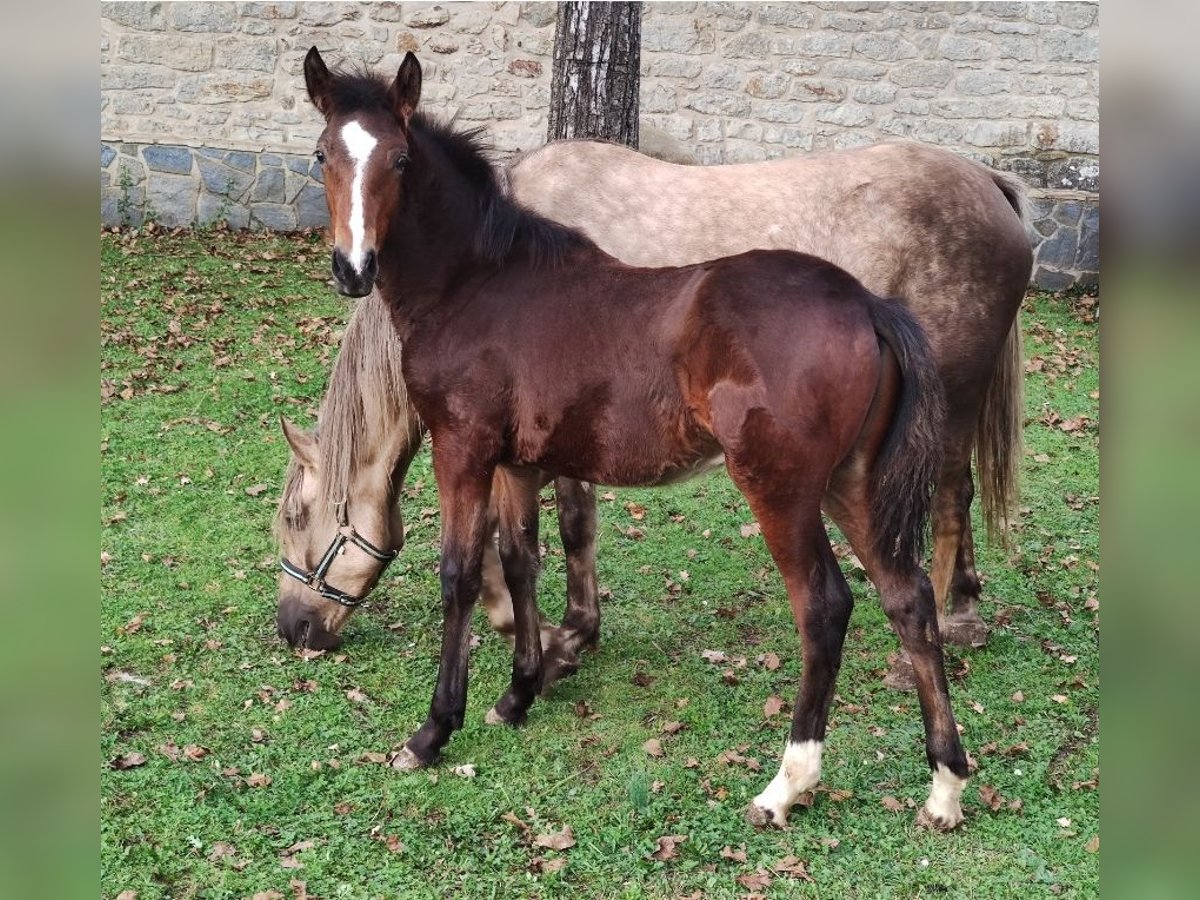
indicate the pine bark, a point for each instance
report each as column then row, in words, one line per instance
column 597, row 58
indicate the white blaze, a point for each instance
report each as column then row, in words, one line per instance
column 359, row 144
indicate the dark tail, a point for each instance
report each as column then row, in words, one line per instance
column 903, row 477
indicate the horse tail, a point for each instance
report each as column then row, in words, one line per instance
column 902, row 479
column 999, row 430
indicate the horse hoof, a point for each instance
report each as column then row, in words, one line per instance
column 946, row 820
column 900, row 675
column 965, row 630
column 406, row 761
column 760, row 817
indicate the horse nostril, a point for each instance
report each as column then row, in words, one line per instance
column 370, row 265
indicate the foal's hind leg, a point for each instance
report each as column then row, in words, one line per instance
column 518, row 522
column 907, row 598
column 576, row 501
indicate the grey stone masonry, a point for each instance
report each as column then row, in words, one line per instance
column 204, row 114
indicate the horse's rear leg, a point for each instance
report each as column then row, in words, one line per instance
column 518, row 526
column 576, row 501
column 952, row 571
column 821, row 604
column 907, row 598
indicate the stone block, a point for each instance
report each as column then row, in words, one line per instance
column 225, row 87
column 1088, row 257
column 139, row 16
column 212, row 209
column 797, row 138
column 997, row 134
column 221, row 179
column 275, row 216
column 846, row 116
column 922, row 73
column 767, row 86
column 272, row 11
column 977, row 82
column 468, row 20
column 202, row 17
column 429, row 17
column 854, row 69
column 385, row 12
column 175, row 160
column 749, row 45
column 268, row 186
column 659, row 99
column 107, row 155
column 676, row 35
column 1049, row 279
column 792, row 15
column 135, row 77
column 875, row 93
column 255, row 54
column 443, row 43
column 802, row 67
column 171, row 199
column 1062, row 45
column 311, row 209
column 1077, row 15
column 958, row 48
column 1074, row 174
column 1059, row 249
column 781, row 111
column 175, row 52
column 883, row 47
column 323, row 15
column 717, row 104
column 1079, row 137
column 1085, row 110
column 848, row 22
column 539, row 15
column 722, row 76
column 811, row 90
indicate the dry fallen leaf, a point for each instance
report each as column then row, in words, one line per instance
column 465, row 771
column 751, row 530
column 673, row 728
column 255, row 489
column 757, row 881
column 794, row 866
column 1064, row 822
column 653, row 747
column 728, row 852
column 257, row 779
column 773, row 707
column 666, row 846
column 1093, row 845
column 714, row 656
column 991, row 797
column 770, row 661
column 1018, row 697
column 557, row 840
column 892, row 804
column 128, row 761
column 512, row 819
column 356, row 695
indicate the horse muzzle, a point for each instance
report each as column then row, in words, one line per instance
column 301, row 627
column 351, row 281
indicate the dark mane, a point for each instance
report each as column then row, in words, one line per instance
column 504, row 226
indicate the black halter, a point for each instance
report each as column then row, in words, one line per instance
column 316, row 578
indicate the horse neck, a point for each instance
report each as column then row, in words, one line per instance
column 431, row 242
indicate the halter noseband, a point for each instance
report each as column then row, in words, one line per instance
column 316, row 578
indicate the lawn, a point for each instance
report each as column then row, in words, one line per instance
column 232, row 767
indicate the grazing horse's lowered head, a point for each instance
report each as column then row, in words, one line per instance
column 353, row 144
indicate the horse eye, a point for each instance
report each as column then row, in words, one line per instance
column 401, row 162
column 320, row 156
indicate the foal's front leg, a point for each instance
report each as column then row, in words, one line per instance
column 518, row 520
column 463, row 491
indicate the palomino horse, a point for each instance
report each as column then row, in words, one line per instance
column 529, row 351
column 339, row 524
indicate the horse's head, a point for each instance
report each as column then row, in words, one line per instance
column 363, row 152
column 332, row 553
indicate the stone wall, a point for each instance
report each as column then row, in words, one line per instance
column 204, row 115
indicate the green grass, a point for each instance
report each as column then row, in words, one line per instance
column 208, row 337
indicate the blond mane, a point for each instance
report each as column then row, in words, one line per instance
column 365, row 404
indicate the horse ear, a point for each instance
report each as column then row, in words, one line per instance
column 302, row 442
column 405, row 92
column 316, row 79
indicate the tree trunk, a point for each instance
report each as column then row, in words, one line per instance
column 597, row 57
